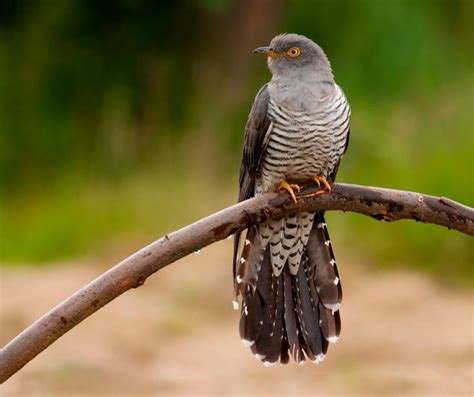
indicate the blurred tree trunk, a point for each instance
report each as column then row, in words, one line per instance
column 222, row 60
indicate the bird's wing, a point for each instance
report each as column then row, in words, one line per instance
column 257, row 127
column 254, row 139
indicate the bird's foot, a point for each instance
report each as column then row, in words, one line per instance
column 320, row 180
column 290, row 188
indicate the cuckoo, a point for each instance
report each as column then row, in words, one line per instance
column 286, row 281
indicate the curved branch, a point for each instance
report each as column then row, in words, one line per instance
column 382, row 204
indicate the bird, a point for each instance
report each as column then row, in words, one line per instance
column 286, row 282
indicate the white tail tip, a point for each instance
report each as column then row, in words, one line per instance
column 319, row 358
column 248, row 343
column 333, row 339
column 334, row 307
column 268, row 363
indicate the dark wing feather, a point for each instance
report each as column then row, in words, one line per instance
column 346, row 145
column 255, row 131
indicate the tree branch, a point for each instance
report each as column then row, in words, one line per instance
column 382, row 204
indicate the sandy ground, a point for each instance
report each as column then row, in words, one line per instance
column 403, row 334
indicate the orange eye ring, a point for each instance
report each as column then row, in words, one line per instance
column 294, row 52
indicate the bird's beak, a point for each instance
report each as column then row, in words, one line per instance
column 269, row 51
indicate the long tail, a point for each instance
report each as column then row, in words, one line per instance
column 289, row 314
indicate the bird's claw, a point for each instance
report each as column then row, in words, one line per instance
column 325, row 189
column 321, row 179
column 290, row 188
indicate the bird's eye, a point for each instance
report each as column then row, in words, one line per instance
column 294, row 52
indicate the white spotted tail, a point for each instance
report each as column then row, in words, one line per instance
column 292, row 309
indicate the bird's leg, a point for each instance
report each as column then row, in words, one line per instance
column 290, row 188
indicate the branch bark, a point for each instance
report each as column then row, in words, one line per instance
column 381, row 204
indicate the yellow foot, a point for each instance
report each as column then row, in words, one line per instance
column 290, row 188
column 321, row 179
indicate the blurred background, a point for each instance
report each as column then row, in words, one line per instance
column 123, row 120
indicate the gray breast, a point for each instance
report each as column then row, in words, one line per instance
column 303, row 144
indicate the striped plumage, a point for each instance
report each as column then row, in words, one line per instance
column 286, row 272
column 302, row 145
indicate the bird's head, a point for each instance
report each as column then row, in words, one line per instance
column 291, row 53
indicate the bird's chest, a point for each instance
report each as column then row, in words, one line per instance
column 298, row 146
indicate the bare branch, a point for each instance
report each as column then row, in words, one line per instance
column 382, row 204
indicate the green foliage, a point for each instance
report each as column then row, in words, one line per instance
column 85, row 217
column 111, row 111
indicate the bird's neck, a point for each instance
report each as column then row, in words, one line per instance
column 302, row 92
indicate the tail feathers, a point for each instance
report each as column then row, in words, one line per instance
column 330, row 323
column 277, row 327
column 291, row 319
column 323, row 265
column 255, row 317
column 308, row 312
column 284, row 357
column 263, row 342
column 250, row 261
column 251, row 320
column 289, row 314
